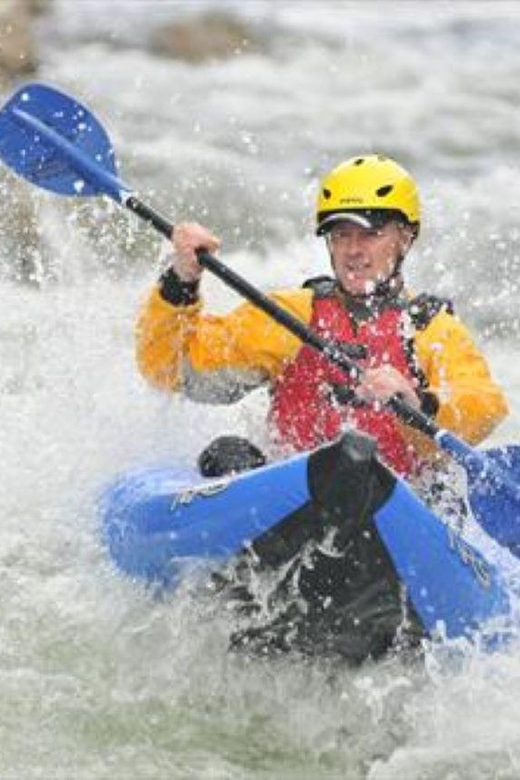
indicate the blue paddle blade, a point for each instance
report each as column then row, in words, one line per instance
column 493, row 487
column 56, row 143
column 494, row 495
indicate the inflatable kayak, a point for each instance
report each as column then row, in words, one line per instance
column 363, row 560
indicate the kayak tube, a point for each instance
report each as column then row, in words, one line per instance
column 370, row 560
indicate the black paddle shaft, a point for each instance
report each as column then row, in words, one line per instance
column 339, row 354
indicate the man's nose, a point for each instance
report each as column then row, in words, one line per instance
column 353, row 242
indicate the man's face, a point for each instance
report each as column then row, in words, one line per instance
column 364, row 257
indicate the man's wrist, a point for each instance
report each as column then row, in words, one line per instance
column 177, row 292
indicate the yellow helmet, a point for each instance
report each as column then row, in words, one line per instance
column 367, row 190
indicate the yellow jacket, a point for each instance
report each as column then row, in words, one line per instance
column 215, row 358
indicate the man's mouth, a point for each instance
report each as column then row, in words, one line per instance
column 356, row 268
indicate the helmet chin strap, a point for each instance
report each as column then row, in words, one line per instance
column 392, row 285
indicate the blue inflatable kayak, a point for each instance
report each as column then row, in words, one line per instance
column 376, row 557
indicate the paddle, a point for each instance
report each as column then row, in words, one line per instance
column 56, row 143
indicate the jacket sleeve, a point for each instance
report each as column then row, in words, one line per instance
column 471, row 404
column 210, row 356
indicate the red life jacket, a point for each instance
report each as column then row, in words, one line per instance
column 305, row 410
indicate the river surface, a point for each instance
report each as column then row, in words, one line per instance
column 98, row 680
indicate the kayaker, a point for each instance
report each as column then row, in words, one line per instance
column 368, row 212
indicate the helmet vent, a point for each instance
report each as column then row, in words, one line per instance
column 382, row 192
column 327, row 193
column 359, row 161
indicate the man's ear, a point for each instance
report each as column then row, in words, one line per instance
column 407, row 238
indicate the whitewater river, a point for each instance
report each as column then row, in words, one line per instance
column 96, row 679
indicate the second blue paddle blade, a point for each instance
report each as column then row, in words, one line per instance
column 34, row 157
column 494, row 496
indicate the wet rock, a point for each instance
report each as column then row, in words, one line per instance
column 36, row 7
column 17, row 45
column 210, row 35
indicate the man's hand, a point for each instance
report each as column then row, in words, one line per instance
column 187, row 238
column 380, row 384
